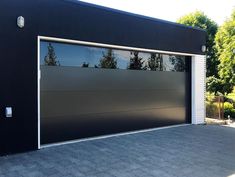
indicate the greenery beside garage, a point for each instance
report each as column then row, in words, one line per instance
column 216, row 104
column 220, row 56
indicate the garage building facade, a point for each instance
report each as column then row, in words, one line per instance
column 75, row 70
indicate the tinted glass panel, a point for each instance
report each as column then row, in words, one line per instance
column 61, row 54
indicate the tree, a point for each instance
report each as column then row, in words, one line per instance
column 200, row 20
column 178, row 63
column 136, row 62
column 218, row 86
column 85, row 65
column 50, row 58
column 155, row 62
column 214, row 85
column 108, row 60
column 225, row 44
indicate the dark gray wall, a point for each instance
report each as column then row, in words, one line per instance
column 65, row 19
column 18, row 78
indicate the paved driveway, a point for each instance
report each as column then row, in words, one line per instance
column 199, row 151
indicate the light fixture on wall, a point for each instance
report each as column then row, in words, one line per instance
column 203, row 48
column 20, row 22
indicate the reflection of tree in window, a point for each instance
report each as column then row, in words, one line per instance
column 160, row 58
column 85, row 65
column 108, row 60
column 136, row 62
column 50, row 58
column 155, row 62
column 178, row 63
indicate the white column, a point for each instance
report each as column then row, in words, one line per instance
column 198, row 89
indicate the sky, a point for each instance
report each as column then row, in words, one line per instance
column 171, row 10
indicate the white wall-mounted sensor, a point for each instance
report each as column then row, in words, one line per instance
column 203, row 48
column 8, row 111
column 20, row 21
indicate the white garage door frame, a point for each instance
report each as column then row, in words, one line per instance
column 198, row 74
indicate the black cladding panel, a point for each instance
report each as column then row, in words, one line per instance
column 96, row 24
column 69, row 20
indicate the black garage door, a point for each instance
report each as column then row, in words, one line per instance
column 88, row 91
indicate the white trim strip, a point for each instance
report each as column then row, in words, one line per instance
column 39, row 77
column 111, row 136
column 111, row 46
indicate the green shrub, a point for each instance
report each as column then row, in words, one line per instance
column 211, row 109
column 230, row 112
column 228, row 106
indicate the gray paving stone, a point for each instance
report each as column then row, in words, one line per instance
column 198, row 151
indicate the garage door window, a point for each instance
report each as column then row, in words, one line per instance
column 61, row 54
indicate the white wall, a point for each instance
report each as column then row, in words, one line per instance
column 198, row 89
